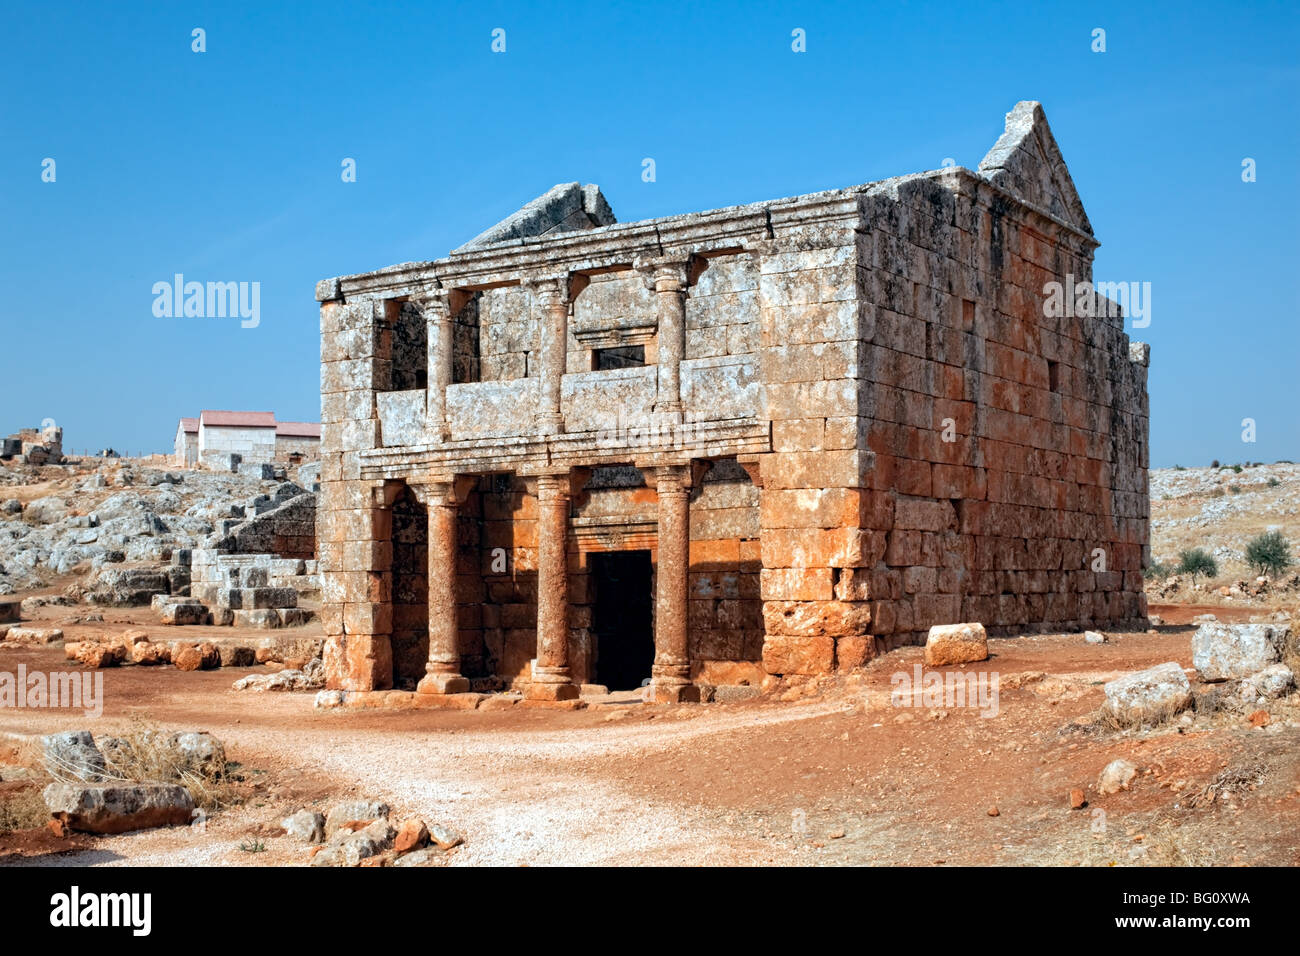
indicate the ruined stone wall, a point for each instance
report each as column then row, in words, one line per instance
column 507, row 334
column 506, row 611
column 722, row 309
column 410, row 589
column 286, row 445
column 818, row 542
column 354, row 535
column 1009, row 446
column 252, row 444
column 725, row 613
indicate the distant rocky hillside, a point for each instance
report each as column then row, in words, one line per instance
column 55, row 520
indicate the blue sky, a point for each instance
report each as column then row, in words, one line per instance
column 225, row 165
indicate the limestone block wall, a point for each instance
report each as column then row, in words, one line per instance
column 354, row 535
column 252, row 444
column 1008, row 476
column 819, row 541
column 286, row 445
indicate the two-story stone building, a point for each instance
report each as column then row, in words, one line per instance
column 777, row 438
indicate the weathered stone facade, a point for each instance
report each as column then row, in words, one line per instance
column 768, row 439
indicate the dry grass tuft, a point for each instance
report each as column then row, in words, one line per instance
column 1229, row 781
column 143, row 754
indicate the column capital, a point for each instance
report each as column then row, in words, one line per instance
column 440, row 301
column 671, row 273
column 551, row 289
column 383, row 494
column 686, row 474
column 445, row 490
column 568, row 483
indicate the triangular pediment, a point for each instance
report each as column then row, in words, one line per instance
column 1026, row 162
column 567, row 207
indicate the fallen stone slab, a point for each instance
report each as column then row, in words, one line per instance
column 1227, row 651
column 20, row 634
column 956, row 644
column 184, row 612
column 285, row 680
column 1149, row 695
column 118, row 807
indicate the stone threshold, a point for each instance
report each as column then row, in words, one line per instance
column 412, row 700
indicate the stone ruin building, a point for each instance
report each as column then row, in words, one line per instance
column 777, row 438
column 224, row 440
column 34, row 446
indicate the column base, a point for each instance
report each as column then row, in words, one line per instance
column 442, row 684
column 672, row 692
column 539, row 690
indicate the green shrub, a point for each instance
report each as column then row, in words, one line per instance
column 1236, row 469
column 1269, row 553
column 1215, row 463
column 1196, row 561
column 1235, row 489
column 1156, row 571
column 1273, row 482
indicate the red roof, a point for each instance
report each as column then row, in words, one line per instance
column 190, row 424
column 221, row 419
column 298, row 429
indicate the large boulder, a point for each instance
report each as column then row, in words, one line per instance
column 1149, row 695
column 1227, row 651
column 20, row 634
column 73, row 756
column 956, row 644
column 118, row 807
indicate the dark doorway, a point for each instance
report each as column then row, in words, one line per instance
column 625, row 646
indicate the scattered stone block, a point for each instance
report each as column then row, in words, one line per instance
column 956, row 644
column 1149, row 695
column 1226, row 651
column 119, row 807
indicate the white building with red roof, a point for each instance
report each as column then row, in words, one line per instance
column 256, row 437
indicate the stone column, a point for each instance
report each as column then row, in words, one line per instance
column 671, row 673
column 439, row 316
column 442, row 670
column 669, row 281
column 552, row 297
column 552, row 679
